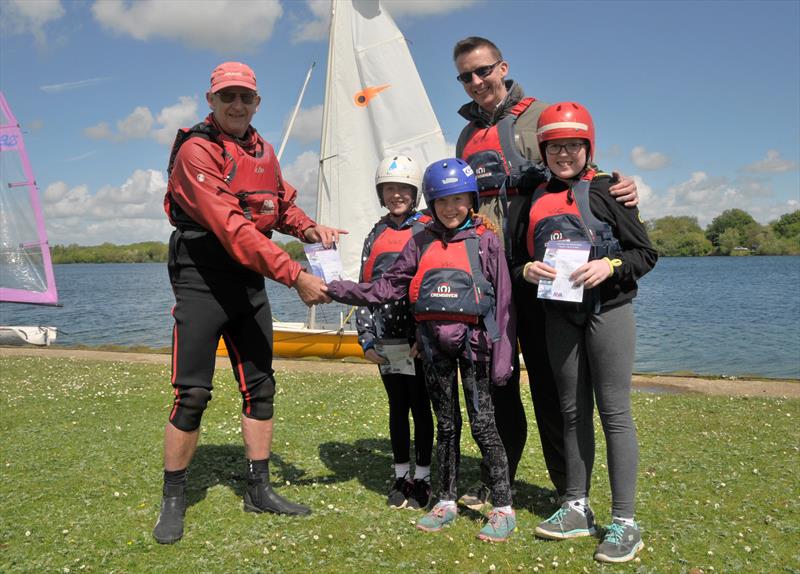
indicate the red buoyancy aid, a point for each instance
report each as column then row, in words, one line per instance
column 493, row 154
column 449, row 284
column 567, row 215
column 388, row 244
column 253, row 179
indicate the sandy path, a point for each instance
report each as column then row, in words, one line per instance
column 658, row 383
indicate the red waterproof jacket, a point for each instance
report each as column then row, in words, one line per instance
column 234, row 189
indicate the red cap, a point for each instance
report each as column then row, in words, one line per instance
column 232, row 74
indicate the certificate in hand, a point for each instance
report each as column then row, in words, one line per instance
column 565, row 257
column 324, row 263
column 397, row 352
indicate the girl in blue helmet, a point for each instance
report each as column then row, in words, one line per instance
column 456, row 278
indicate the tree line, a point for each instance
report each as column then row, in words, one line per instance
column 733, row 232
column 146, row 252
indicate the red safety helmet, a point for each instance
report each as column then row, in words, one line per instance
column 565, row 120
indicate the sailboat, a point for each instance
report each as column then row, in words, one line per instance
column 375, row 105
column 26, row 270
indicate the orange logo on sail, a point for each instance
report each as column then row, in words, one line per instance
column 363, row 97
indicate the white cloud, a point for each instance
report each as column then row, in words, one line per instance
column 316, row 29
column 128, row 213
column 137, row 125
column 172, row 118
column 705, row 197
column 307, row 125
column 302, row 174
column 773, row 163
column 77, row 84
column 140, row 123
column 197, row 24
column 400, row 8
column 22, row 16
column 99, row 132
column 643, row 159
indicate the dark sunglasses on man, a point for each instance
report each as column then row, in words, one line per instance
column 481, row 72
column 246, row 97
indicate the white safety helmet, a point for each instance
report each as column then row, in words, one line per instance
column 398, row 169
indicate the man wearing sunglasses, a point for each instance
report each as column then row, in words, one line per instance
column 499, row 142
column 225, row 196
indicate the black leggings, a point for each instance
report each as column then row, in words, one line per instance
column 442, row 379
column 408, row 393
column 546, row 405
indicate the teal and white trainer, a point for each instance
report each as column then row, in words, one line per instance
column 567, row 522
column 620, row 543
column 441, row 515
column 499, row 526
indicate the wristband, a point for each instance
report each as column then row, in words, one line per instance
column 610, row 266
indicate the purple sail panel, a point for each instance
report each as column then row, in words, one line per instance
column 26, row 271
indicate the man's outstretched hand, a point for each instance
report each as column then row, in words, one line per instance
column 311, row 289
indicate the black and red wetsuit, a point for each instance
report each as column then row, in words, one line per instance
column 225, row 196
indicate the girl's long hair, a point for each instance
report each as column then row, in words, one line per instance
column 484, row 220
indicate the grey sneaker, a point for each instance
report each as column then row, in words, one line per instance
column 476, row 497
column 398, row 495
column 620, row 544
column 567, row 523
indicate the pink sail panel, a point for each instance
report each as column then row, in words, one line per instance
column 26, row 271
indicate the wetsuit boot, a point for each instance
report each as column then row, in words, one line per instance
column 169, row 528
column 259, row 496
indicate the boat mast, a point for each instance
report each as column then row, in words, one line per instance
column 323, row 148
column 294, row 113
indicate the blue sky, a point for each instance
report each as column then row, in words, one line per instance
column 700, row 101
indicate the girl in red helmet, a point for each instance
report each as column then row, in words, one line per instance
column 590, row 343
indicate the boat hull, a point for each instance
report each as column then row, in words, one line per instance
column 295, row 341
column 42, row 336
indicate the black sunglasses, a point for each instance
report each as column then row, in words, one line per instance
column 481, row 72
column 228, row 97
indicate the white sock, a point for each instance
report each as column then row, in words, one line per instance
column 625, row 521
column 580, row 504
column 422, row 473
column 504, row 509
column 401, row 469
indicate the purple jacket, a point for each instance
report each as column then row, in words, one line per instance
column 449, row 336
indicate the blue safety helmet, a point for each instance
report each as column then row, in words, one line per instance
column 449, row 177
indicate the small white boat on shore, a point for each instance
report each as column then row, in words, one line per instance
column 36, row 335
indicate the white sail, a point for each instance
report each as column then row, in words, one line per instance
column 375, row 105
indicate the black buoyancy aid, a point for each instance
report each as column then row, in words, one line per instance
column 449, row 284
column 253, row 179
column 493, row 154
column 567, row 215
column 389, row 242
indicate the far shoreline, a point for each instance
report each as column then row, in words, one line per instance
column 645, row 382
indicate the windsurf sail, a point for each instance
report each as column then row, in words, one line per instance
column 26, row 271
column 375, row 105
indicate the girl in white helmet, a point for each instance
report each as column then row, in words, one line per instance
column 397, row 183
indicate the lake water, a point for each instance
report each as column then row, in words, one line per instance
column 732, row 316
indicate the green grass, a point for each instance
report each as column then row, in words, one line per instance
column 81, row 479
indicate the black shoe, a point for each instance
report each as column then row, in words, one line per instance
column 259, row 497
column 420, row 494
column 169, row 528
column 398, row 495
